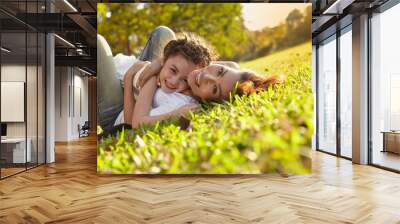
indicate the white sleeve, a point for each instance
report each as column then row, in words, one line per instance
column 168, row 107
column 123, row 63
column 120, row 119
column 163, row 109
column 172, row 102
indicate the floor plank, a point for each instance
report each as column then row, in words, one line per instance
column 70, row 191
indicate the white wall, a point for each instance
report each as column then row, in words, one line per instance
column 79, row 115
column 61, row 103
column 12, row 73
column 71, row 87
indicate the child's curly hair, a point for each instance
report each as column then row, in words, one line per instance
column 192, row 47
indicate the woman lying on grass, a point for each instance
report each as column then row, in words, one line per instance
column 168, row 87
column 214, row 83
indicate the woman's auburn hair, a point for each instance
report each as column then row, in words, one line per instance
column 253, row 83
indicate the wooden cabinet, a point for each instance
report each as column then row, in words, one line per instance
column 391, row 142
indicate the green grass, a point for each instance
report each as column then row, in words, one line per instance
column 261, row 133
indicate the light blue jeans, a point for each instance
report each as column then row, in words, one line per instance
column 110, row 96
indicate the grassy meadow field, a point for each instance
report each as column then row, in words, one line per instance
column 266, row 132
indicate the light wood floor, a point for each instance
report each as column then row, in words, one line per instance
column 5, row 172
column 70, row 191
column 9, row 171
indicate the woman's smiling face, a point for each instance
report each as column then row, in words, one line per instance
column 213, row 83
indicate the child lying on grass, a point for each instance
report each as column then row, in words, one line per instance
column 166, row 94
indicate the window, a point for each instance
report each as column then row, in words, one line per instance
column 346, row 92
column 327, row 95
column 385, row 88
column 22, row 75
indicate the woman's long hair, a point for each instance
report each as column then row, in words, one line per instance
column 252, row 83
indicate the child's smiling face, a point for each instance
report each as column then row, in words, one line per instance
column 174, row 72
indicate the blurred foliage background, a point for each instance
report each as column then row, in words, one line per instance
column 126, row 27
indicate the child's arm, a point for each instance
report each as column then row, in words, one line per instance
column 143, row 102
column 152, row 70
column 141, row 114
column 129, row 100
